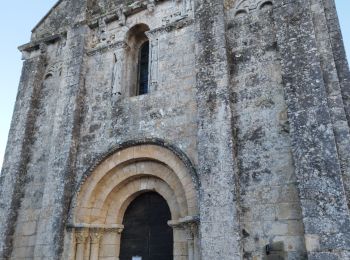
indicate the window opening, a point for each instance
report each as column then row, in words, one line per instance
column 143, row 69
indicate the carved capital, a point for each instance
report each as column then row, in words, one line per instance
column 81, row 236
column 96, row 235
column 191, row 222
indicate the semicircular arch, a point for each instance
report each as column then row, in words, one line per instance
column 112, row 184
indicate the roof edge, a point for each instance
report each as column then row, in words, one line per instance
column 47, row 14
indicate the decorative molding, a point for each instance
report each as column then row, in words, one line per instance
column 102, row 49
column 247, row 6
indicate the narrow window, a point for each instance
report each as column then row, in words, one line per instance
column 143, row 69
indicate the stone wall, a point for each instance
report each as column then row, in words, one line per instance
column 270, row 205
column 254, row 94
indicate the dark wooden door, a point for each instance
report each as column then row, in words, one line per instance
column 146, row 232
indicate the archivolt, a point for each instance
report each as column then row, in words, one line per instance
column 106, row 193
column 98, row 208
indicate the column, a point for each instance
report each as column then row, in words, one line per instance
column 180, row 242
column 95, row 237
column 185, row 238
column 154, row 59
column 190, row 243
column 81, row 237
column 118, row 232
column 192, row 240
column 194, row 231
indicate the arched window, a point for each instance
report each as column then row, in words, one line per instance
column 137, row 61
column 143, row 69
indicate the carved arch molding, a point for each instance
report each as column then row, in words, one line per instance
column 98, row 208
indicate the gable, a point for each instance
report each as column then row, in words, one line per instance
column 62, row 14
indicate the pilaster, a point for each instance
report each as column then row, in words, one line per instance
column 318, row 171
column 13, row 173
column 60, row 177
column 333, row 86
column 220, row 229
column 339, row 54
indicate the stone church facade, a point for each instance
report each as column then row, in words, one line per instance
column 180, row 129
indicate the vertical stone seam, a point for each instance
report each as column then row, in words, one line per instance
column 234, row 126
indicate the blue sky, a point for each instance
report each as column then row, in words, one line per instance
column 18, row 17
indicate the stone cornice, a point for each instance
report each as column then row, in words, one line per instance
column 35, row 45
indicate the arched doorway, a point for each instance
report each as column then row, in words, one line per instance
column 101, row 208
column 146, row 231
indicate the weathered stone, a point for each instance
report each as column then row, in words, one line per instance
column 244, row 130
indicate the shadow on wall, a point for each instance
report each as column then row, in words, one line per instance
column 275, row 251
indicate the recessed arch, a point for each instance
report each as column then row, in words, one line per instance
column 241, row 13
column 137, row 59
column 266, row 5
column 136, row 35
column 125, row 174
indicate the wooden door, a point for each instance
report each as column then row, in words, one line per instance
column 146, row 233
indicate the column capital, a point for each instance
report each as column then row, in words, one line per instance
column 185, row 222
column 81, row 235
column 96, row 235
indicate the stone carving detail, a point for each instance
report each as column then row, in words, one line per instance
column 154, row 56
column 102, row 33
column 121, row 16
column 95, row 236
column 81, row 236
column 117, row 72
column 151, row 5
column 101, row 36
column 181, row 12
column 54, row 70
column 61, row 46
column 251, row 5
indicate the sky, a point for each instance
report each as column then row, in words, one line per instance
column 18, row 17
